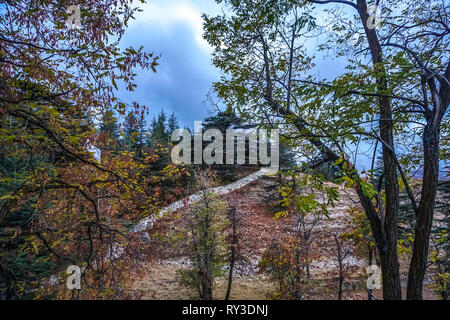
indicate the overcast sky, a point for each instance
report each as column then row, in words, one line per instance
column 173, row 28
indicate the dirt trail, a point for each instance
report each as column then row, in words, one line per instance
column 221, row 190
column 255, row 202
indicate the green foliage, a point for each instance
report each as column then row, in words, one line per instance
column 287, row 261
column 207, row 245
column 109, row 126
column 361, row 235
column 172, row 124
column 223, row 120
column 23, row 266
column 159, row 134
column 393, row 102
column 328, row 171
column 282, row 264
column 295, row 196
column 131, row 131
column 287, row 158
column 59, row 205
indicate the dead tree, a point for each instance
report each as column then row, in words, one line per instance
column 234, row 248
column 341, row 251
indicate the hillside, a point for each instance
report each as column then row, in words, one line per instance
column 256, row 204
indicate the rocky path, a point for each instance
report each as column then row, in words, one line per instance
column 255, row 205
column 255, row 198
column 221, row 190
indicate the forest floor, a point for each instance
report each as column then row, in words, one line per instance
column 256, row 205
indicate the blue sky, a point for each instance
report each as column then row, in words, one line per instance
column 173, row 28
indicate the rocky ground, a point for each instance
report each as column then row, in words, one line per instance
column 255, row 205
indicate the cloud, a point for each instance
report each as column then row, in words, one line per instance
column 185, row 74
column 167, row 14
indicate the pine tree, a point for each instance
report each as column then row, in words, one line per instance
column 109, row 129
column 109, row 124
column 131, row 131
column 142, row 132
column 287, row 157
column 159, row 134
column 21, row 270
column 150, row 136
column 222, row 121
column 172, row 124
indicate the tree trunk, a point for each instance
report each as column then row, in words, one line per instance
column 424, row 219
column 385, row 235
column 206, row 283
column 234, row 244
column 230, row 274
column 341, row 283
column 369, row 291
column 388, row 251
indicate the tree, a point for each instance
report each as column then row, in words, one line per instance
column 142, row 132
column 21, row 272
column 222, row 121
column 172, row 124
column 131, row 131
column 287, row 158
column 268, row 77
column 150, row 141
column 54, row 82
column 159, row 138
column 415, row 37
column 207, row 222
column 287, row 261
column 109, row 129
column 159, row 134
column 300, row 199
column 342, row 251
column 234, row 221
column 363, row 239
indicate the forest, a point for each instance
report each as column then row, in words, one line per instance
column 257, row 150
